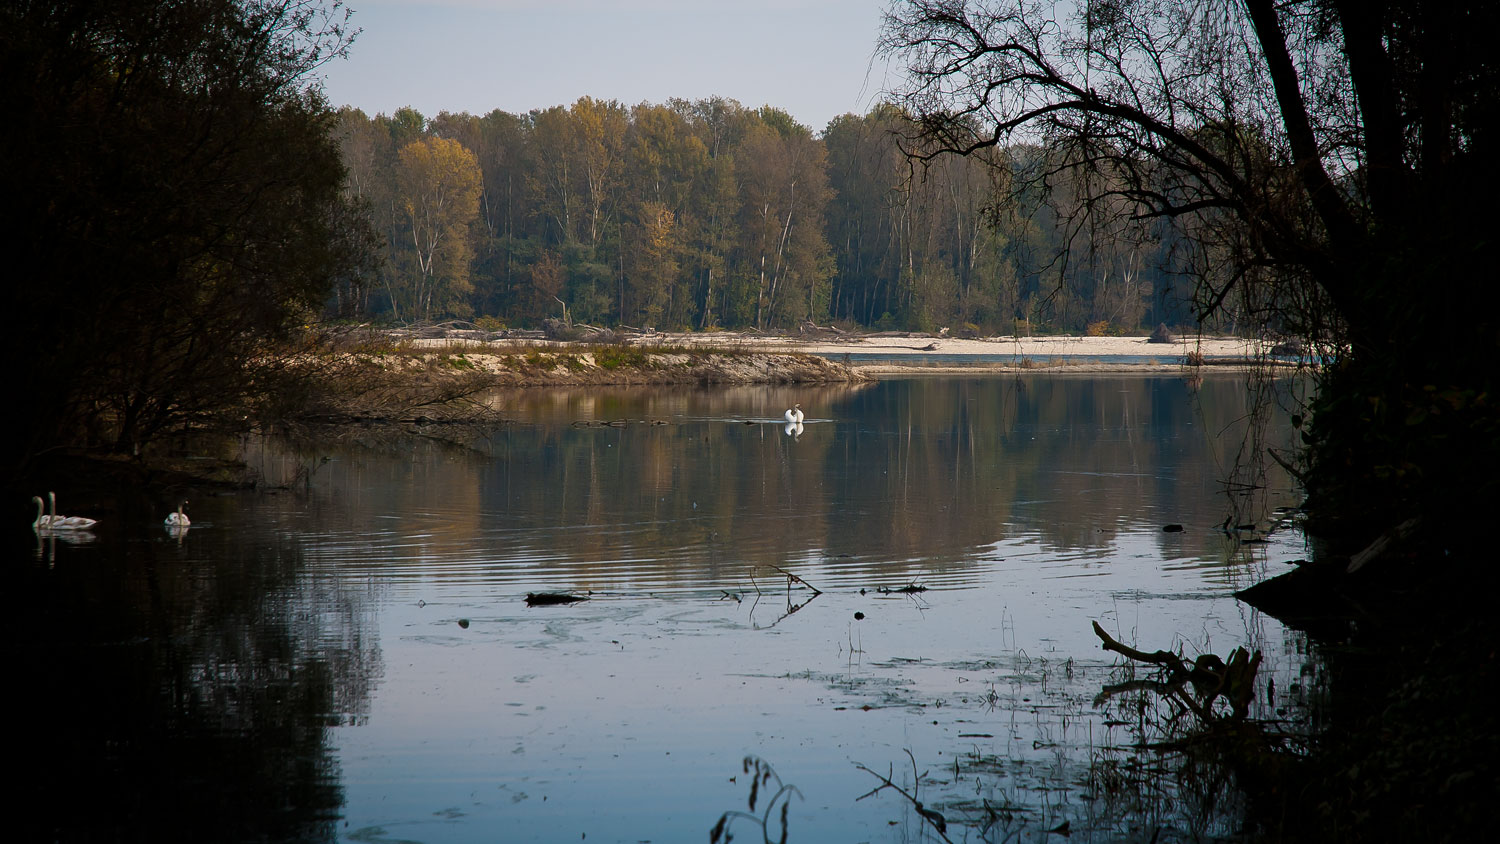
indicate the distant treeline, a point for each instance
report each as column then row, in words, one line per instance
column 696, row 215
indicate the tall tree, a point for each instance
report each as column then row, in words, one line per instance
column 173, row 207
column 505, row 158
column 656, row 272
column 599, row 129
column 552, row 183
column 784, row 191
column 439, row 183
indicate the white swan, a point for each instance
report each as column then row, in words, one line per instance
column 794, row 416
column 43, row 521
column 177, row 519
column 56, row 522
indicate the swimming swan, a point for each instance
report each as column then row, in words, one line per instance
column 56, row 522
column 43, row 521
column 794, row 415
column 177, row 519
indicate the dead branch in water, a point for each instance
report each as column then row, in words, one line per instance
column 935, row 819
column 790, row 578
column 1166, row 659
column 790, row 607
column 1209, row 676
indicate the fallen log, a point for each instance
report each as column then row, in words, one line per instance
column 545, row 599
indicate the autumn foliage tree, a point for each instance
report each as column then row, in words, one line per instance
column 771, row 224
column 439, row 193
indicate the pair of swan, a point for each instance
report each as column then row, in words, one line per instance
column 52, row 521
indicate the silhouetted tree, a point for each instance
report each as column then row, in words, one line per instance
column 173, row 207
column 1317, row 161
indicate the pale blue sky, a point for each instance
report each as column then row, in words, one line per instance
column 813, row 58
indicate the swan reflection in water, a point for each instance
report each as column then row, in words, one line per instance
column 47, row 539
column 794, row 421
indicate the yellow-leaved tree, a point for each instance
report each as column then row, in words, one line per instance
column 439, row 182
column 657, row 270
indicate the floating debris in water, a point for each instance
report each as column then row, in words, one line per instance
column 545, row 599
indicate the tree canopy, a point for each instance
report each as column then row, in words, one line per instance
column 695, row 215
column 174, row 205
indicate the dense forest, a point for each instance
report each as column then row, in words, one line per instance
column 706, row 214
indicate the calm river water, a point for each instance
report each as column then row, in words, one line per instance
column 352, row 658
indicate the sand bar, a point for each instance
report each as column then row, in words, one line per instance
column 890, row 353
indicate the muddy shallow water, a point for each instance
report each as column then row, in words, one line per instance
column 353, row 658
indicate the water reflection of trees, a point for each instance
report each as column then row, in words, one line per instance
column 900, row 478
column 171, row 695
column 917, row 471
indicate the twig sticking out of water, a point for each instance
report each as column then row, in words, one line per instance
column 791, row 578
column 935, row 819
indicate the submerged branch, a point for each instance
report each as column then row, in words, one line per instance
column 935, row 819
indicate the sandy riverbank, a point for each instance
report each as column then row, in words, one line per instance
column 899, row 353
